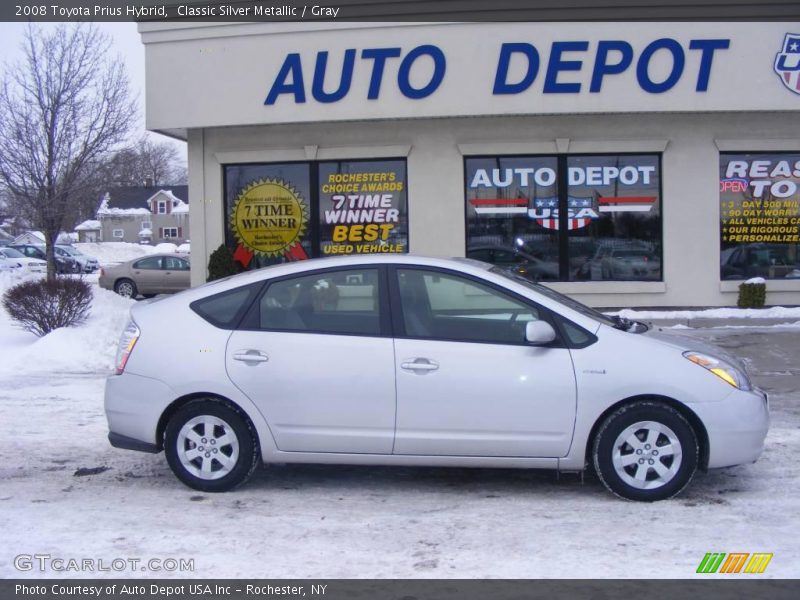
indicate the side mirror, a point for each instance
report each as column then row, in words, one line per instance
column 539, row 333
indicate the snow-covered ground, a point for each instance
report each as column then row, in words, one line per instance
column 65, row 492
column 774, row 312
column 111, row 253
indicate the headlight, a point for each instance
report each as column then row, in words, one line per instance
column 725, row 371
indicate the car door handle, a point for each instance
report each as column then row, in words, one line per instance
column 250, row 356
column 419, row 364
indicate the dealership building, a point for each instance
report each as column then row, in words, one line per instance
column 626, row 164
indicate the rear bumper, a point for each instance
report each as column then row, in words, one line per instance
column 134, row 405
column 126, row 443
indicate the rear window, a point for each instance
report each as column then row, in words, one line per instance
column 225, row 310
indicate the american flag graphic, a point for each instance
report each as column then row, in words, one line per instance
column 609, row 204
column 500, row 206
column 787, row 62
column 551, row 204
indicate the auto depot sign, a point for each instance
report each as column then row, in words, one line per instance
column 358, row 71
column 563, row 72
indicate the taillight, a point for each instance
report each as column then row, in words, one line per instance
column 126, row 343
column 102, row 273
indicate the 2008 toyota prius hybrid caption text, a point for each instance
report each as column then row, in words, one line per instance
column 404, row 360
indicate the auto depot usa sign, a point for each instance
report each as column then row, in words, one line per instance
column 362, row 71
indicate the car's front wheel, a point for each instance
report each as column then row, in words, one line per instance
column 210, row 446
column 646, row 451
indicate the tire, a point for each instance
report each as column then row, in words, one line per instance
column 126, row 288
column 219, row 467
column 646, row 451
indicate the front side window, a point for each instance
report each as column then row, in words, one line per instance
column 612, row 230
column 173, row 263
column 338, row 302
column 759, row 215
column 449, row 307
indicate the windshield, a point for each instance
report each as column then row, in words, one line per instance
column 557, row 296
column 11, row 253
column 69, row 250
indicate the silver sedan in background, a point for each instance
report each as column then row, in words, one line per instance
column 405, row 360
column 148, row 276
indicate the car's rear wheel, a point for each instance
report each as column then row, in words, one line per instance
column 210, row 446
column 646, row 451
column 126, row 288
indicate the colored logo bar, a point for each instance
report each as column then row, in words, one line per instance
column 734, row 562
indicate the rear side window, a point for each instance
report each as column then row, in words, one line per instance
column 224, row 310
column 335, row 302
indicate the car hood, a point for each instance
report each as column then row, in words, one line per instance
column 685, row 342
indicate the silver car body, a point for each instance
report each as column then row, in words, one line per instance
column 30, row 265
column 88, row 264
column 326, row 398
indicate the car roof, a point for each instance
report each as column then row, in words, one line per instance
column 463, row 265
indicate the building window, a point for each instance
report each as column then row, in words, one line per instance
column 170, row 232
column 161, row 207
column 613, row 226
column 118, row 233
column 292, row 211
column 759, row 215
column 147, row 225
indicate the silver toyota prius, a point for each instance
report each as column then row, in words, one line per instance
column 405, row 360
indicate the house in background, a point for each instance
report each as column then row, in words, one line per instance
column 89, row 231
column 35, row 238
column 146, row 214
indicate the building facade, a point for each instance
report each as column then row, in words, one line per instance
column 672, row 150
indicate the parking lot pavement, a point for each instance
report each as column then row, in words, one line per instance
column 65, row 492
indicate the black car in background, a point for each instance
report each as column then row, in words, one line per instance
column 64, row 264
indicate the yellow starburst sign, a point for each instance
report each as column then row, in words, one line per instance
column 269, row 217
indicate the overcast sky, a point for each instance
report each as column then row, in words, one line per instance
column 127, row 43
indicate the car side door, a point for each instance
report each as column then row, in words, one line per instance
column 175, row 275
column 147, row 275
column 468, row 384
column 315, row 354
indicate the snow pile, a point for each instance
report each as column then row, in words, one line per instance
column 113, row 253
column 756, row 280
column 89, row 225
column 776, row 312
column 184, row 248
column 167, row 247
column 87, row 348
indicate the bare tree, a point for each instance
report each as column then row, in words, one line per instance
column 63, row 107
column 146, row 161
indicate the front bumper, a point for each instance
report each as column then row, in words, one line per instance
column 736, row 427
